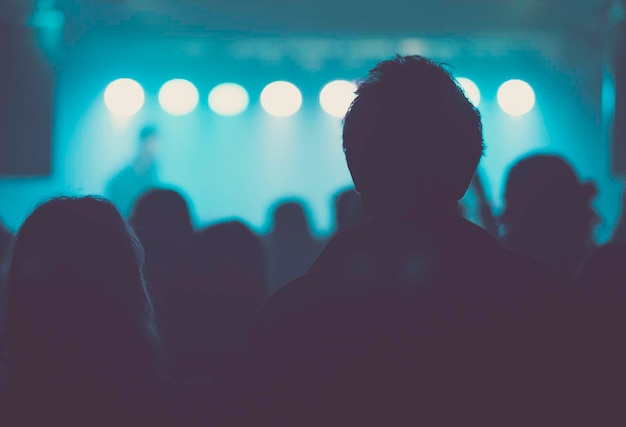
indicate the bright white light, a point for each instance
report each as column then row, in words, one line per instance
column 178, row 97
column 516, row 97
column 337, row 96
column 124, row 97
column 228, row 99
column 470, row 89
column 281, row 99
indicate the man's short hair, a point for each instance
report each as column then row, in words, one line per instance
column 411, row 133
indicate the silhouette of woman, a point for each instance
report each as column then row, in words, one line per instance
column 81, row 342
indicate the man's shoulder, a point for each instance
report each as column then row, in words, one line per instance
column 526, row 269
column 296, row 296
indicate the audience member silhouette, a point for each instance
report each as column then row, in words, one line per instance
column 6, row 242
column 80, row 335
column 292, row 248
column 163, row 224
column 548, row 212
column 348, row 210
column 207, row 317
column 416, row 315
column 139, row 176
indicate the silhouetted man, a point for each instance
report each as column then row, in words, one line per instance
column 416, row 315
column 138, row 177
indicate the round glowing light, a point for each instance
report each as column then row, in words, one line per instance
column 336, row 97
column 516, row 97
column 470, row 89
column 124, row 97
column 281, row 99
column 228, row 99
column 178, row 97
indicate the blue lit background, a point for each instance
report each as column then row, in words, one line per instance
column 240, row 166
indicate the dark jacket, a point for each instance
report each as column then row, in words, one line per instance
column 410, row 320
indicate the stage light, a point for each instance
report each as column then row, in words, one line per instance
column 336, row 97
column 178, row 97
column 281, row 99
column 470, row 89
column 516, row 97
column 124, row 97
column 228, row 99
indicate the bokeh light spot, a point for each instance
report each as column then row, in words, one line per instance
column 336, row 97
column 281, row 99
column 124, row 97
column 228, row 99
column 178, row 97
column 516, row 97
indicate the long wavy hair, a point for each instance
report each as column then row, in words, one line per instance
column 77, row 304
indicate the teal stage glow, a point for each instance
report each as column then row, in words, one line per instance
column 237, row 135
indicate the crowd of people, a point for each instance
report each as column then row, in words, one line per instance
column 409, row 314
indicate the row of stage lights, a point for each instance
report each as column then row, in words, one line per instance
column 125, row 97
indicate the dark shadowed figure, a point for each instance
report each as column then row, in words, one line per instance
column 81, row 341
column 292, row 247
column 548, row 212
column 139, row 176
column 348, row 210
column 162, row 222
column 206, row 318
column 416, row 316
column 600, row 326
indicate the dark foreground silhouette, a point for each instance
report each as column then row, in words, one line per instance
column 413, row 317
column 81, row 343
column 417, row 316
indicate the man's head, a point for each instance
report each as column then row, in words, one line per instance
column 411, row 137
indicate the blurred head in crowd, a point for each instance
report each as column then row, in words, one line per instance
column 290, row 221
column 229, row 258
column 162, row 221
column 548, row 211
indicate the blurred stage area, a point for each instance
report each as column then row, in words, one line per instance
column 235, row 157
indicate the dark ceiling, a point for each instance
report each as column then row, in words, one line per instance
column 345, row 17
